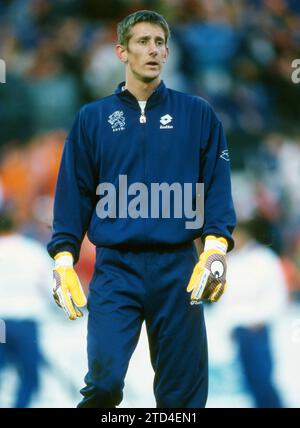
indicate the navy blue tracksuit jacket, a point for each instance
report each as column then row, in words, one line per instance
column 143, row 264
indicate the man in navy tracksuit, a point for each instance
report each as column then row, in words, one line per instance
column 118, row 150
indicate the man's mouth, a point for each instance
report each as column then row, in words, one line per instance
column 152, row 63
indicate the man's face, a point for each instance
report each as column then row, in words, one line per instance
column 146, row 51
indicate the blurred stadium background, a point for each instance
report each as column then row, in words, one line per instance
column 237, row 55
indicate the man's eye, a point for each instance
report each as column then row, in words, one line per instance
column 142, row 42
column 160, row 43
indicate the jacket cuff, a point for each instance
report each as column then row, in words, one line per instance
column 62, row 248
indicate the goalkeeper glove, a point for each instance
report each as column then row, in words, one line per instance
column 67, row 290
column 208, row 281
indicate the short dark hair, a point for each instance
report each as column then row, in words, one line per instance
column 131, row 20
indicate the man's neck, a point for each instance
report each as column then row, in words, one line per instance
column 141, row 90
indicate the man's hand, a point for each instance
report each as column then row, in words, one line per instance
column 67, row 290
column 208, row 281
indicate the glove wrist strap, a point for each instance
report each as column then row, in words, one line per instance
column 214, row 243
column 64, row 259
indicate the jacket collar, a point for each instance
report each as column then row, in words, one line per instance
column 155, row 98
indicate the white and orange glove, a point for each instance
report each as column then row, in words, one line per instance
column 208, row 281
column 67, row 290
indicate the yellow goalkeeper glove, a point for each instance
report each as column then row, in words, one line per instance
column 67, row 290
column 208, row 281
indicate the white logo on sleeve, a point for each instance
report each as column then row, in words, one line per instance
column 117, row 121
column 165, row 121
column 225, row 155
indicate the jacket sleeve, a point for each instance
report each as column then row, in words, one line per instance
column 75, row 192
column 219, row 214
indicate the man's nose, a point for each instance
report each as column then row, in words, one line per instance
column 153, row 50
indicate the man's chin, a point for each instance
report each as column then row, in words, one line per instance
column 149, row 78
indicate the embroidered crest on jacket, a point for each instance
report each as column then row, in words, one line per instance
column 117, row 121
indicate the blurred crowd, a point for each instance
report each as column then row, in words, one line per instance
column 236, row 54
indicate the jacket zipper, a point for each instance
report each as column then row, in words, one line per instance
column 143, row 116
column 143, row 121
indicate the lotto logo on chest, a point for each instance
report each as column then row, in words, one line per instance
column 166, row 122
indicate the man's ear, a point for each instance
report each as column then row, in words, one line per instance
column 121, row 53
column 167, row 54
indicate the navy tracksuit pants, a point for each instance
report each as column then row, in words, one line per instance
column 127, row 288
